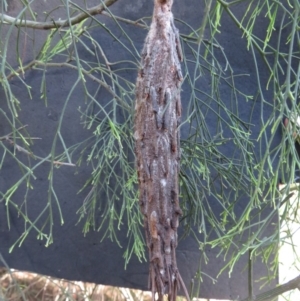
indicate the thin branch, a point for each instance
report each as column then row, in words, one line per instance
column 20, row 70
column 99, row 9
column 250, row 274
column 283, row 288
column 65, row 64
column 135, row 23
column 18, row 129
column 96, row 10
column 23, row 150
column 204, row 21
column 142, row 25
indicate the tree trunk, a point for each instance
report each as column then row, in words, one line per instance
column 157, row 118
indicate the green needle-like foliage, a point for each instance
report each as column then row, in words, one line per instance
column 252, row 172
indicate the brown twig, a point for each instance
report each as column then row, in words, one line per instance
column 28, row 153
column 270, row 294
column 23, row 150
column 96, row 10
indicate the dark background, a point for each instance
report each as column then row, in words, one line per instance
column 75, row 256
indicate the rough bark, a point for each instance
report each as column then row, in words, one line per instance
column 157, row 118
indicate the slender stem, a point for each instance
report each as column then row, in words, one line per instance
column 23, row 150
column 204, row 21
column 96, row 10
column 135, row 23
column 65, row 64
column 250, row 274
column 283, row 288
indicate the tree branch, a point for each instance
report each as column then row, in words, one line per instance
column 98, row 9
column 283, row 288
